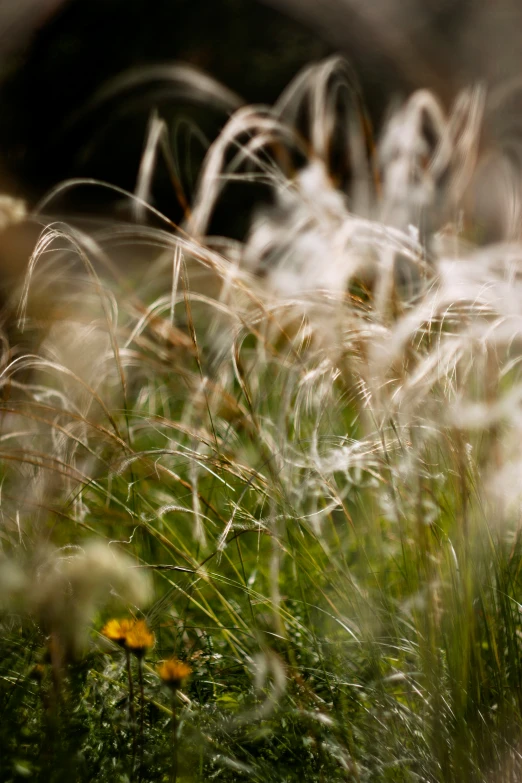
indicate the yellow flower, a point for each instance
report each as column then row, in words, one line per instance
column 173, row 672
column 117, row 630
column 138, row 639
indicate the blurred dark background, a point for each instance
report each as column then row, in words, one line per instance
column 55, row 55
column 60, row 64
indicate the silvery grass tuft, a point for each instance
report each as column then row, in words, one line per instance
column 311, row 437
column 62, row 589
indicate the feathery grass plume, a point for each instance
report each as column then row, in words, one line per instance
column 14, row 584
column 12, row 210
column 305, row 446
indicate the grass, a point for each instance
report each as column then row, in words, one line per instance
column 309, row 441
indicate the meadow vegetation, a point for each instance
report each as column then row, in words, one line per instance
column 261, row 499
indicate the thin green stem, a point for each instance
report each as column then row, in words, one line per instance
column 175, row 725
column 132, row 712
column 142, row 716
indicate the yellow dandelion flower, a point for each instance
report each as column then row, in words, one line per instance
column 117, row 630
column 139, row 638
column 173, row 672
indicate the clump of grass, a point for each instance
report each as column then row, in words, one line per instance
column 309, row 438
